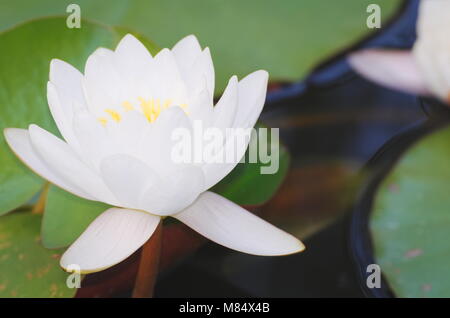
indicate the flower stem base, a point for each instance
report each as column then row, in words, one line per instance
column 148, row 265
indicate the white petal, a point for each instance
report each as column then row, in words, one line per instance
column 126, row 134
column 109, row 239
column 201, row 108
column 205, row 64
column 176, row 190
column 63, row 115
column 67, row 79
column 135, row 65
column 228, row 224
column 226, row 108
column 98, row 141
column 65, row 163
column 433, row 21
column 433, row 64
column 167, row 82
column 157, row 142
column 231, row 154
column 180, row 183
column 65, row 94
column 130, row 48
column 391, row 68
column 186, row 52
column 252, row 95
column 200, row 76
column 93, row 139
column 103, row 85
column 431, row 49
column 19, row 141
column 127, row 178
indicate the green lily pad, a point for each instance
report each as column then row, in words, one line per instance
column 26, row 268
column 410, row 220
column 66, row 216
column 286, row 38
column 24, row 63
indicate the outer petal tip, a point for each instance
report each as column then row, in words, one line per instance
column 355, row 58
column 33, row 127
column 360, row 61
column 288, row 244
column 129, row 37
column 262, row 74
column 191, row 38
column 297, row 247
column 11, row 134
column 55, row 63
column 127, row 41
column 226, row 223
column 259, row 79
column 395, row 69
column 62, row 72
column 7, row 131
column 188, row 41
column 110, row 238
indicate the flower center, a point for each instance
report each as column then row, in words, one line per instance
column 150, row 108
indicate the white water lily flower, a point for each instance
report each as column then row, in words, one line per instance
column 116, row 121
column 425, row 69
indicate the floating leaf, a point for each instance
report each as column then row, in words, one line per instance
column 286, row 38
column 66, row 216
column 410, row 220
column 26, row 268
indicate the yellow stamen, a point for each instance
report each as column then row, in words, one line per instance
column 103, row 121
column 184, row 107
column 147, row 108
column 114, row 115
column 128, row 106
column 151, row 108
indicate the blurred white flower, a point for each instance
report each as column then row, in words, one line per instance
column 425, row 69
column 116, row 121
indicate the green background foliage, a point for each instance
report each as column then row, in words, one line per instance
column 287, row 39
